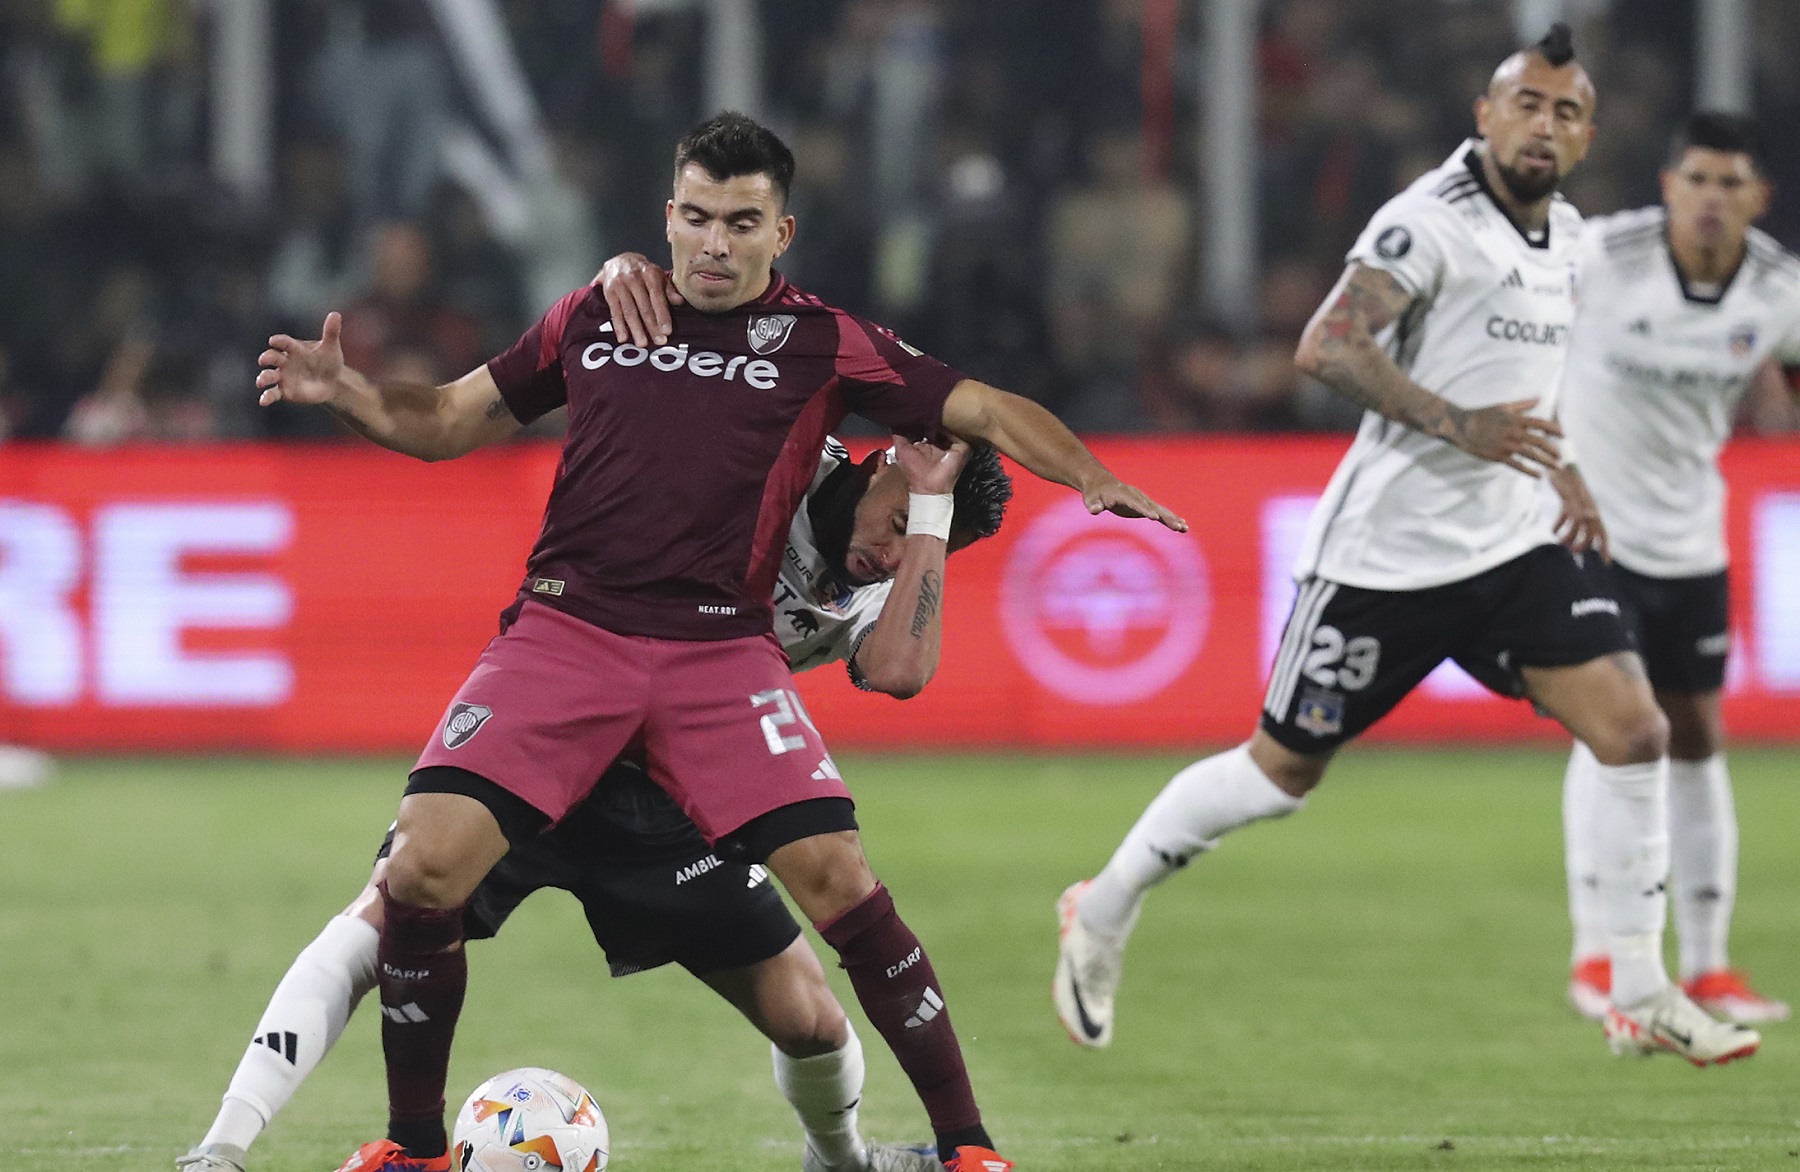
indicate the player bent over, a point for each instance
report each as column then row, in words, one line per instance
column 1681, row 306
column 1431, row 543
column 651, row 887
column 645, row 613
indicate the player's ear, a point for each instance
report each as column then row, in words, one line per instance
column 1482, row 106
column 784, row 234
column 1765, row 195
column 669, row 221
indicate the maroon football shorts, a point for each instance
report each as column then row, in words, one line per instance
column 553, row 701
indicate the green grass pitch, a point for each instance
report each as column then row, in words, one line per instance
column 1375, row 983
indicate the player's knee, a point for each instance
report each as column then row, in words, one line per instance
column 1636, row 737
column 424, row 877
column 812, row 1027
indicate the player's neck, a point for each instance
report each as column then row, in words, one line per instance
column 1703, row 265
column 1530, row 217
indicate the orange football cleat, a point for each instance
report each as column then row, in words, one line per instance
column 1590, row 987
column 1727, row 993
column 384, row 1155
column 970, row 1158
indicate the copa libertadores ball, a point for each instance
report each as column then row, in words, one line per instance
column 529, row 1120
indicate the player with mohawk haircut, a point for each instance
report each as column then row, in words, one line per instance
column 1432, row 542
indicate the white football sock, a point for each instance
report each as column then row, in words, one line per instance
column 1585, row 914
column 1631, row 858
column 303, row 1021
column 1206, row 800
column 1703, row 835
column 824, row 1091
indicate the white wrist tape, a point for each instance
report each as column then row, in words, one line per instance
column 929, row 514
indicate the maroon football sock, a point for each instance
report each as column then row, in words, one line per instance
column 902, row 998
column 424, row 973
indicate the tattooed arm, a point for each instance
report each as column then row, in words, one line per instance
column 899, row 655
column 430, row 423
column 1339, row 349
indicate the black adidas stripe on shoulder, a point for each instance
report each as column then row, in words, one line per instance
column 1456, row 187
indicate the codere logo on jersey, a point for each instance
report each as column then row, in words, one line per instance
column 758, row 372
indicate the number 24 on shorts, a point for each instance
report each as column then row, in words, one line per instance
column 788, row 712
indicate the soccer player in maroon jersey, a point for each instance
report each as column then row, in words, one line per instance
column 644, row 620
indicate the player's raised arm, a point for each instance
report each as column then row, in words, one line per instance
column 1339, row 348
column 427, row 422
column 900, row 653
column 1040, row 442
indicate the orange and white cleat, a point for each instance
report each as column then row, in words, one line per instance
column 1088, row 966
column 1590, row 987
column 1726, row 993
column 1670, row 1021
column 384, row 1155
column 970, row 1158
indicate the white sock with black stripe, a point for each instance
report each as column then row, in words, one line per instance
column 304, row 1019
column 1631, row 861
column 824, row 1091
column 1206, row 800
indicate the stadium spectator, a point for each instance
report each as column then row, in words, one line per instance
column 403, row 314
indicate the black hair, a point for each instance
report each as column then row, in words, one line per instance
column 730, row 144
column 1716, row 130
column 1558, row 45
column 982, row 491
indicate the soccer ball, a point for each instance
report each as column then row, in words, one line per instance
column 529, row 1120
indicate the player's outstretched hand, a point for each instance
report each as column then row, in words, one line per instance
column 639, row 293
column 1507, row 434
column 294, row 371
column 1115, row 496
column 930, row 470
column 1578, row 525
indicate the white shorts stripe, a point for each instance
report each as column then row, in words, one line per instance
column 1295, row 644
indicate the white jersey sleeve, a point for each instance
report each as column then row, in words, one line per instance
column 1405, row 239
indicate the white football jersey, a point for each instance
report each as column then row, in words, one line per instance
column 1655, row 374
column 1490, row 325
column 818, row 619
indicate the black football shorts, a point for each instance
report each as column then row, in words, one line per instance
column 653, row 891
column 1349, row 655
column 1682, row 625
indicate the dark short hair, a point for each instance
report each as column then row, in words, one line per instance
column 1558, row 45
column 1716, row 130
column 730, row 144
column 982, row 491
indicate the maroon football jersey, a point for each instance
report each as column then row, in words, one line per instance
column 683, row 464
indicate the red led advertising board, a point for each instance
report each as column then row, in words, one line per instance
column 331, row 598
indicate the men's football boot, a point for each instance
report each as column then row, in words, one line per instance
column 1670, row 1021
column 876, row 1158
column 1088, row 967
column 212, row 1158
column 384, row 1155
column 1590, row 987
column 1727, row 993
column 970, row 1158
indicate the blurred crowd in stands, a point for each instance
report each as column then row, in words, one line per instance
column 1010, row 184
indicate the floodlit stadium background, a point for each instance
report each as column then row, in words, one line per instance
column 1126, row 210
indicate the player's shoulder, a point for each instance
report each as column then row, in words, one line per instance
column 1626, row 235
column 1774, row 263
